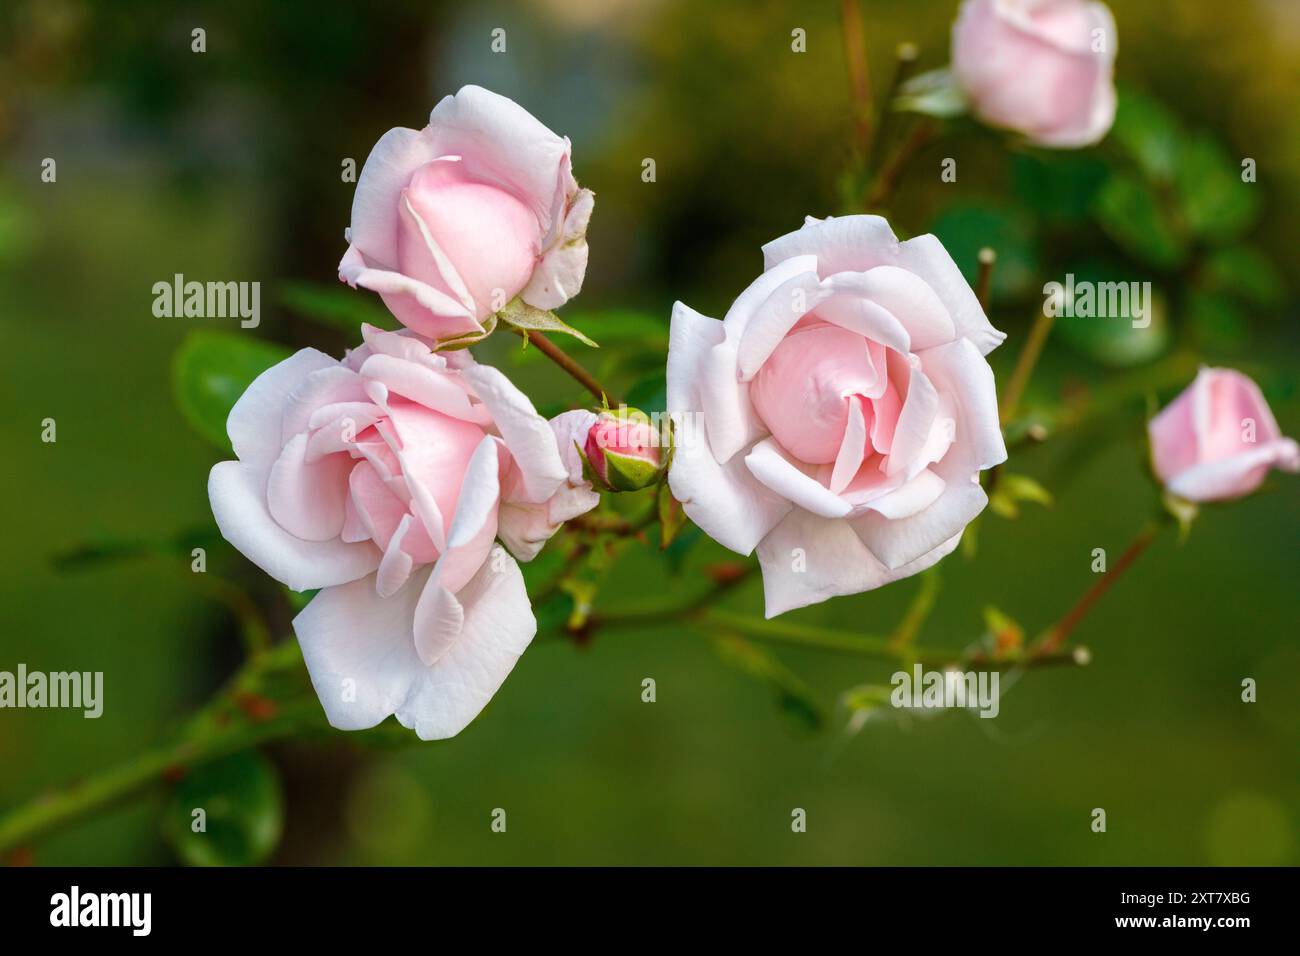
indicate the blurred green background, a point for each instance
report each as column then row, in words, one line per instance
column 226, row 165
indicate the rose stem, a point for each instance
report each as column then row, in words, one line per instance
column 988, row 258
column 1051, row 641
column 855, row 52
column 921, row 134
column 553, row 352
column 904, row 60
column 1025, row 364
column 217, row 730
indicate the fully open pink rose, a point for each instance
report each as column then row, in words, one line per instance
column 847, row 411
column 384, row 480
column 453, row 221
column 1041, row 67
column 1218, row 439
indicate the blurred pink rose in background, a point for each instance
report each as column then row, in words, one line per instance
column 384, row 480
column 1040, row 67
column 847, row 411
column 453, row 221
column 1218, row 439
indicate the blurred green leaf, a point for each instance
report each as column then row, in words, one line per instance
column 211, row 370
column 242, row 812
column 1059, row 187
column 1217, row 206
column 935, row 93
column 792, row 694
column 965, row 229
column 1012, row 489
column 1131, row 214
column 1247, row 273
column 336, row 306
column 1149, row 133
column 1106, row 331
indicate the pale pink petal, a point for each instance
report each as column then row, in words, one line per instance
column 501, row 142
column 307, row 499
column 808, row 559
column 498, row 625
column 773, row 319
column 912, row 302
column 768, row 464
column 527, row 435
column 897, row 542
column 254, row 422
column 237, row 492
column 378, row 196
column 958, row 368
column 415, row 304
column 1236, row 476
column 558, row 277
column 725, row 500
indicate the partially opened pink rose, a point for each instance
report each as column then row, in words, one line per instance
column 384, row 480
column 1041, row 67
column 451, row 222
column 1218, row 439
column 847, row 411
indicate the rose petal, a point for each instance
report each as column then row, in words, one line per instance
column 237, row 492
column 808, row 559
column 497, row 627
column 254, row 422
column 725, row 500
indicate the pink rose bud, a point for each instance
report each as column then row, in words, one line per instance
column 1040, row 67
column 1218, row 439
column 623, row 449
column 452, row 222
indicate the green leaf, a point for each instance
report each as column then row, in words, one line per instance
column 211, row 370
column 1012, row 489
column 1131, row 213
column 935, row 93
column 1149, row 133
column 965, row 229
column 242, row 812
column 1247, row 273
column 1216, row 205
column 1103, row 310
column 520, row 315
column 335, row 306
column 1058, row 186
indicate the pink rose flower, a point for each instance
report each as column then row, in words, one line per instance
column 1218, row 439
column 384, row 480
column 453, row 221
column 1041, row 67
column 847, row 411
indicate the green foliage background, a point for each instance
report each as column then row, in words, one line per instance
column 226, row 165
